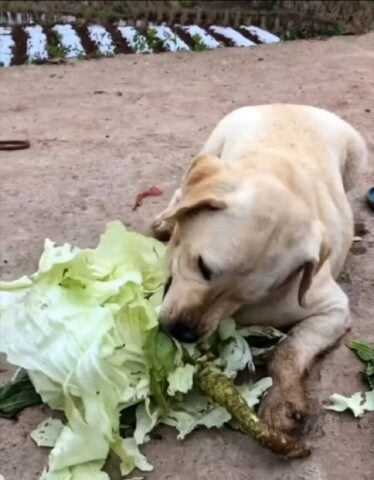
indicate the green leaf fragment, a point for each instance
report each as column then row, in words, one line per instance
column 147, row 417
column 85, row 471
column 253, row 393
column 138, row 460
column 181, row 379
column 193, row 411
column 369, row 401
column 369, row 374
column 364, row 350
column 47, row 432
column 358, row 403
column 17, row 394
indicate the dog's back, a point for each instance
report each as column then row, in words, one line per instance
column 314, row 152
column 296, row 131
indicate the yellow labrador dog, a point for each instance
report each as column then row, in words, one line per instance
column 260, row 229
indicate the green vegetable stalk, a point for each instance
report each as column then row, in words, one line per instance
column 221, row 390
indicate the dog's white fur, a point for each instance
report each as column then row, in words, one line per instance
column 281, row 228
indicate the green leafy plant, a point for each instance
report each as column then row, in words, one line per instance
column 198, row 44
column 154, row 42
column 365, row 352
column 55, row 47
column 310, row 32
column 140, row 43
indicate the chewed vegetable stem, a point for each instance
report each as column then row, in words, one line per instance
column 222, row 391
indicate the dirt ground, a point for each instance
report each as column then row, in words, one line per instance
column 92, row 152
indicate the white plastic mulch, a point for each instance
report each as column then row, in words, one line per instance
column 6, row 46
column 171, row 41
column 102, row 39
column 202, row 36
column 262, row 35
column 69, row 40
column 135, row 40
column 36, row 43
column 237, row 38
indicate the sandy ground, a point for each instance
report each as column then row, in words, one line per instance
column 93, row 152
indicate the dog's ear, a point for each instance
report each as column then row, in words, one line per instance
column 311, row 267
column 202, row 168
column 204, row 187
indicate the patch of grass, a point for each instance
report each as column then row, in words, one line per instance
column 55, row 47
column 57, row 51
column 305, row 33
column 153, row 41
column 2, row 64
column 198, row 44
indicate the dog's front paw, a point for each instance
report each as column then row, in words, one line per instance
column 285, row 409
column 162, row 229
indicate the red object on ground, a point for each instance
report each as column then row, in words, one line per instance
column 151, row 192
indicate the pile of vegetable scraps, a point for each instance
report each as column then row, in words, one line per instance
column 84, row 332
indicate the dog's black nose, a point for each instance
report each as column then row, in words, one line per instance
column 184, row 333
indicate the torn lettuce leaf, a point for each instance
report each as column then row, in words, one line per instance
column 233, row 349
column 84, row 471
column 253, row 393
column 79, row 326
column 47, row 432
column 369, row 401
column 262, row 339
column 147, row 417
column 181, row 379
column 194, row 410
column 358, row 403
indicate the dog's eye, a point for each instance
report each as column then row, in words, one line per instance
column 204, row 270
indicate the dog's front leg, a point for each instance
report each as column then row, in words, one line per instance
column 286, row 405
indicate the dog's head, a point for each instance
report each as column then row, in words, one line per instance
column 237, row 239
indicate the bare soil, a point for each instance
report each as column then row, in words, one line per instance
column 91, row 154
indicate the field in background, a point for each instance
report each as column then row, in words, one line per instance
column 290, row 19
